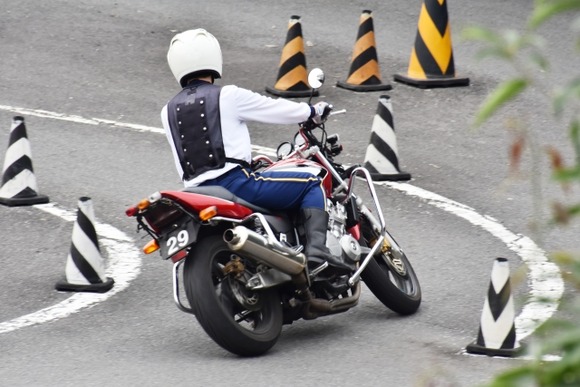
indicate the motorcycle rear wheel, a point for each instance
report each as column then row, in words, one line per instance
column 391, row 278
column 245, row 330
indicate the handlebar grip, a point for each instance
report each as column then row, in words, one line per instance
column 327, row 110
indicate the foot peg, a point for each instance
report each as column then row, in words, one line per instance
column 317, row 270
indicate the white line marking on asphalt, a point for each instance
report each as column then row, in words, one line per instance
column 124, row 265
column 544, row 278
column 78, row 119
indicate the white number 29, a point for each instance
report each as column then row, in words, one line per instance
column 177, row 242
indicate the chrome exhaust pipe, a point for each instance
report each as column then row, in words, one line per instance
column 260, row 248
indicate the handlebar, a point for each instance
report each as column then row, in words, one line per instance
column 328, row 111
column 337, row 112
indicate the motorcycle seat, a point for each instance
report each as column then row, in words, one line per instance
column 223, row 193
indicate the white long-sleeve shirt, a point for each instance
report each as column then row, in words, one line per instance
column 237, row 106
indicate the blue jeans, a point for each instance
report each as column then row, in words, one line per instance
column 274, row 190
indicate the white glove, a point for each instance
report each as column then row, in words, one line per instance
column 319, row 109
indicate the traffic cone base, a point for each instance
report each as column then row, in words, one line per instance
column 24, row 201
column 388, row 177
column 364, row 73
column 477, row 349
column 102, row 287
column 497, row 332
column 431, row 63
column 431, row 82
column 369, row 87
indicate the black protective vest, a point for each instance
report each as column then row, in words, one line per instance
column 194, row 119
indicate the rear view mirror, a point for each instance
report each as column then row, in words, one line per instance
column 316, row 78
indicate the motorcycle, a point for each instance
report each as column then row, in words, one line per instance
column 242, row 266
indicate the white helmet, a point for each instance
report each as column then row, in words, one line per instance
column 194, row 51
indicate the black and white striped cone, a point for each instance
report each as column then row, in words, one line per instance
column 19, row 187
column 497, row 332
column 85, row 266
column 381, row 158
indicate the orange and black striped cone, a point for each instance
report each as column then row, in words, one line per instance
column 431, row 63
column 364, row 74
column 292, row 77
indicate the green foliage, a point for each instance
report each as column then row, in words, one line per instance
column 505, row 92
column 546, row 9
column 523, row 50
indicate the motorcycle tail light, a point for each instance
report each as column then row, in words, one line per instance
column 151, row 247
column 208, row 213
column 132, row 211
column 143, row 204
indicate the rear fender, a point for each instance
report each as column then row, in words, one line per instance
column 198, row 202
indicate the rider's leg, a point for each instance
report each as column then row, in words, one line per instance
column 293, row 190
column 315, row 222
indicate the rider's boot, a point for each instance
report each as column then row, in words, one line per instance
column 315, row 222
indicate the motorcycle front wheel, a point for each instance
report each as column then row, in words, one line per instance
column 243, row 322
column 390, row 276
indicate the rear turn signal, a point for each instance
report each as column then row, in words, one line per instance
column 143, row 204
column 208, row 213
column 151, row 247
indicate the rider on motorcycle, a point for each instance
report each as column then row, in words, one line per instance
column 206, row 128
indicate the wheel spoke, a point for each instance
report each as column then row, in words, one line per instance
column 246, row 316
column 224, row 299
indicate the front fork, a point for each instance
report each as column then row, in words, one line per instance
column 379, row 225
